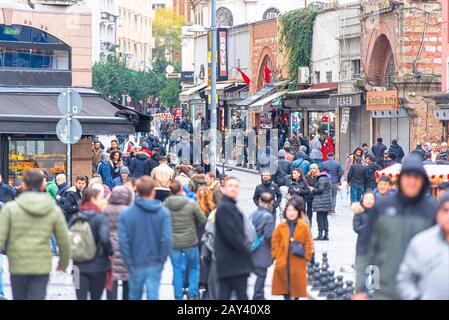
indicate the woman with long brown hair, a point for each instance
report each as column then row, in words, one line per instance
column 208, row 209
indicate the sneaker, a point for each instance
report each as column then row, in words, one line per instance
column 250, row 167
column 325, row 238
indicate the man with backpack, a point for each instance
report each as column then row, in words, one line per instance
column 263, row 223
column 26, row 225
column 186, row 217
column 145, row 241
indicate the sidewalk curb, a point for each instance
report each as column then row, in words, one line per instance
column 242, row 169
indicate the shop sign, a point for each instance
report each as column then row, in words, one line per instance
column 346, row 100
column 378, row 6
column 222, row 54
column 178, row 113
column 187, row 77
column 345, row 120
column 382, row 100
column 162, row 116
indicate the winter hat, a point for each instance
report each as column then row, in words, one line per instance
column 314, row 166
column 281, row 154
column 145, row 145
column 303, row 148
column 287, row 144
column 124, row 170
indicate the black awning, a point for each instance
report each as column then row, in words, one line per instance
column 35, row 111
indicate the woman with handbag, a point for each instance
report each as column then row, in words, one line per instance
column 292, row 248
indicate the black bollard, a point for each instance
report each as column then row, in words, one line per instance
column 331, row 295
column 323, row 281
column 349, row 290
column 324, row 260
column 339, row 293
column 310, row 270
column 316, row 276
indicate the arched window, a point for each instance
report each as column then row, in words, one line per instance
column 24, row 47
column 271, row 13
column 224, row 17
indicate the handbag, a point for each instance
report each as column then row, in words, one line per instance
column 298, row 248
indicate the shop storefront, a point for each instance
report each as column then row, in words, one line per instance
column 237, row 117
column 193, row 101
column 268, row 110
column 390, row 120
column 353, row 122
column 28, row 119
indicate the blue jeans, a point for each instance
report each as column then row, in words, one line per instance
column 356, row 193
column 2, row 286
column 192, row 255
column 148, row 277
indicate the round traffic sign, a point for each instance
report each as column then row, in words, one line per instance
column 66, row 137
column 169, row 69
column 69, row 101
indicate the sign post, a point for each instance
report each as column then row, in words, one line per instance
column 69, row 129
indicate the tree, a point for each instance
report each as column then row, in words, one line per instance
column 167, row 31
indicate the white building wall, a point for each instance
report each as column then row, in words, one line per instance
column 325, row 46
column 200, row 57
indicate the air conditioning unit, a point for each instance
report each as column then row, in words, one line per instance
column 303, row 75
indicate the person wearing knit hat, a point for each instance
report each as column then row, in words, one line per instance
column 124, row 174
column 283, row 170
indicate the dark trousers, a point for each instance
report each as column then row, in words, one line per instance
column 259, row 287
column 162, row 195
column 309, row 211
column 93, row 283
column 323, row 223
column 29, row 287
column 228, row 285
column 113, row 294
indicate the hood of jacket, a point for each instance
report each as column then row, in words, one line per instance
column 62, row 186
column 413, row 164
column 176, row 203
column 141, row 155
column 149, row 206
column 121, row 195
column 36, row 204
column 199, row 178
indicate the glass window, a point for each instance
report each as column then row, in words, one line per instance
column 18, row 33
column 34, row 59
column 41, row 155
column 322, row 123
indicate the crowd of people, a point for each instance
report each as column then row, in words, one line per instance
column 141, row 209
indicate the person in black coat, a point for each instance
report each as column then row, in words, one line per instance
column 378, row 150
column 419, row 152
column 73, row 197
column 92, row 274
column 283, row 170
column 357, row 178
column 269, row 186
column 299, row 186
column 371, row 169
column 397, row 150
column 232, row 252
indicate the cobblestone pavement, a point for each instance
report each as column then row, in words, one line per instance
column 340, row 248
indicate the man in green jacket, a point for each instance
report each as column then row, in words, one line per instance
column 26, row 225
column 186, row 216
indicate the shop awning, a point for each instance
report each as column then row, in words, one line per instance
column 187, row 94
column 257, row 96
column 223, row 86
column 259, row 105
column 308, row 92
column 35, row 111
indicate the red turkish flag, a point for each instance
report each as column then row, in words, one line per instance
column 267, row 74
column 244, row 77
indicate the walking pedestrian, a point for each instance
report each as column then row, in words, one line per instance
column 288, row 155
column 184, row 175
column 105, row 170
column 444, row 152
column 198, row 179
column 378, row 150
column 92, row 273
column 315, row 153
column 186, row 216
column 384, row 187
column 299, row 186
column 294, row 143
column 26, row 225
column 357, row 179
column 207, row 208
column 145, row 241
column 267, row 161
column 63, row 187
column 423, row 272
column 322, row 202
column 395, row 220
column 74, row 196
column 2, row 285
column 234, row 262
column 163, row 176
column 124, row 174
column 397, row 150
column 371, row 169
column 419, row 152
column 7, row 193
column 292, row 247
column 283, row 170
column 208, row 257
column 336, row 172
column 120, row 200
column 362, row 211
column 269, row 186
column 114, row 146
column 302, row 161
column 115, row 161
column 96, row 155
column 263, row 222
column 138, row 164
column 350, row 160
column 214, row 186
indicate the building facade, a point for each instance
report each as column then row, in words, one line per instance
column 400, row 66
column 134, row 33
column 104, row 28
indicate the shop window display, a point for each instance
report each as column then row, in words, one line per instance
column 41, row 155
column 322, row 123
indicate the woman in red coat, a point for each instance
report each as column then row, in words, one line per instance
column 292, row 247
column 327, row 147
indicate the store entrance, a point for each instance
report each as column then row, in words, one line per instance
column 322, row 123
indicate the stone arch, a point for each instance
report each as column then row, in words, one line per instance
column 380, row 55
column 266, row 57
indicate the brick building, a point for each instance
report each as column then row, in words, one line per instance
column 400, row 66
